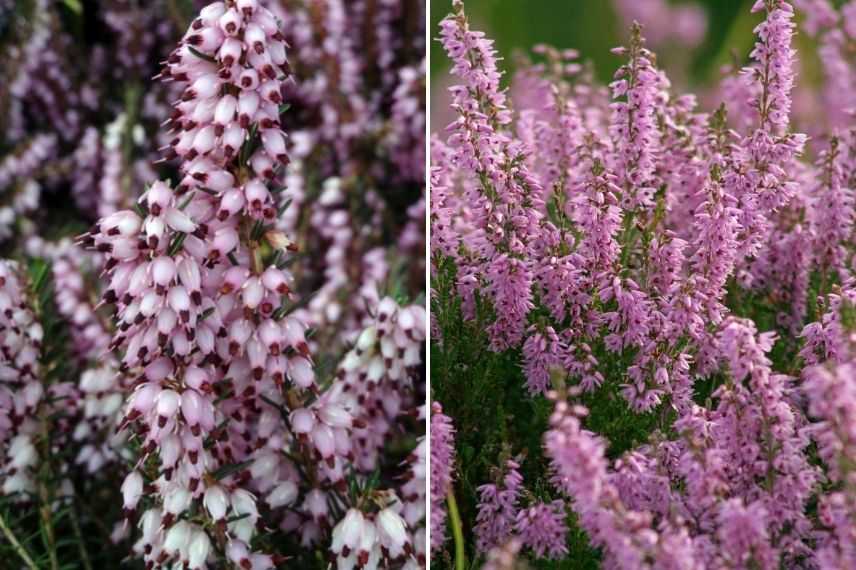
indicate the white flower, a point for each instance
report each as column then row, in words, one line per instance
column 283, row 494
column 200, row 547
column 178, row 538
column 348, row 533
column 392, row 532
column 132, row 489
column 216, row 502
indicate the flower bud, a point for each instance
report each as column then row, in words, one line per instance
column 200, row 548
column 216, row 502
column 282, row 495
column 132, row 490
column 347, row 533
column 391, row 531
column 177, row 538
column 231, row 21
column 302, row 421
column 230, row 51
column 168, row 402
column 163, row 270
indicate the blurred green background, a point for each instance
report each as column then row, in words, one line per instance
column 593, row 27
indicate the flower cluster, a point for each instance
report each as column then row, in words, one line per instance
column 21, row 392
column 442, row 466
column 676, row 275
column 19, row 183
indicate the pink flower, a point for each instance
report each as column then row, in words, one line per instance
column 442, row 465
column 498, row 508
column 542, row 528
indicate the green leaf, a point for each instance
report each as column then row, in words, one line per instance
column 205, row 314
column 74, row 5
column 237, row 518
column 281, row 210
column 257, row 231
column 186, row 202
column 201, row 55
column 176, row 244
column 227, row 470
column 38, row 274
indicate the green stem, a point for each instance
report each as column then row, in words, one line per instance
column 457, row 531
column 132, row 107
column 45, row 493
column 48, row 534
column 78, row 534
column 16, row 545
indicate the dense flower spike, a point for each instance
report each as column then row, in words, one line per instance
column 542, row 528
column 506, row 200
column 498, row 508
column 21, row 390
column 833, row 223
column 831, row 398
column 639, row 89
column 442, row 470
column 20, row 189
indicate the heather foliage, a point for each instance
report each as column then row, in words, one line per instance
column 212, row 321
column 643, row 306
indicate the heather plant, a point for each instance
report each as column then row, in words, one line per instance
column 212, row 322
column 642, row 304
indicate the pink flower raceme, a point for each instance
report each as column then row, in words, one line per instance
column 503, row 225
column 830, row 338
column 21, row 389
column 639, row 90
column 580, row 470
column 764, row 182
column 442, row 466
column 834, row 212
column 832, row 392
column 498, row 508
column 743, row 535
column 819, row 15
column 18, row 182
column 541, row 352
column 755, row 413
column 542, row 528
column 198, row 309
column 837, row 67
column 775, row 57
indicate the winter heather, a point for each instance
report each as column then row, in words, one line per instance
column 643, row 304
column 212, row 291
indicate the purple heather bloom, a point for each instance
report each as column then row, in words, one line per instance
column 639, row 92
column 442, row 465
column 542, row 528
column 498, row 509
column 541, row 352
